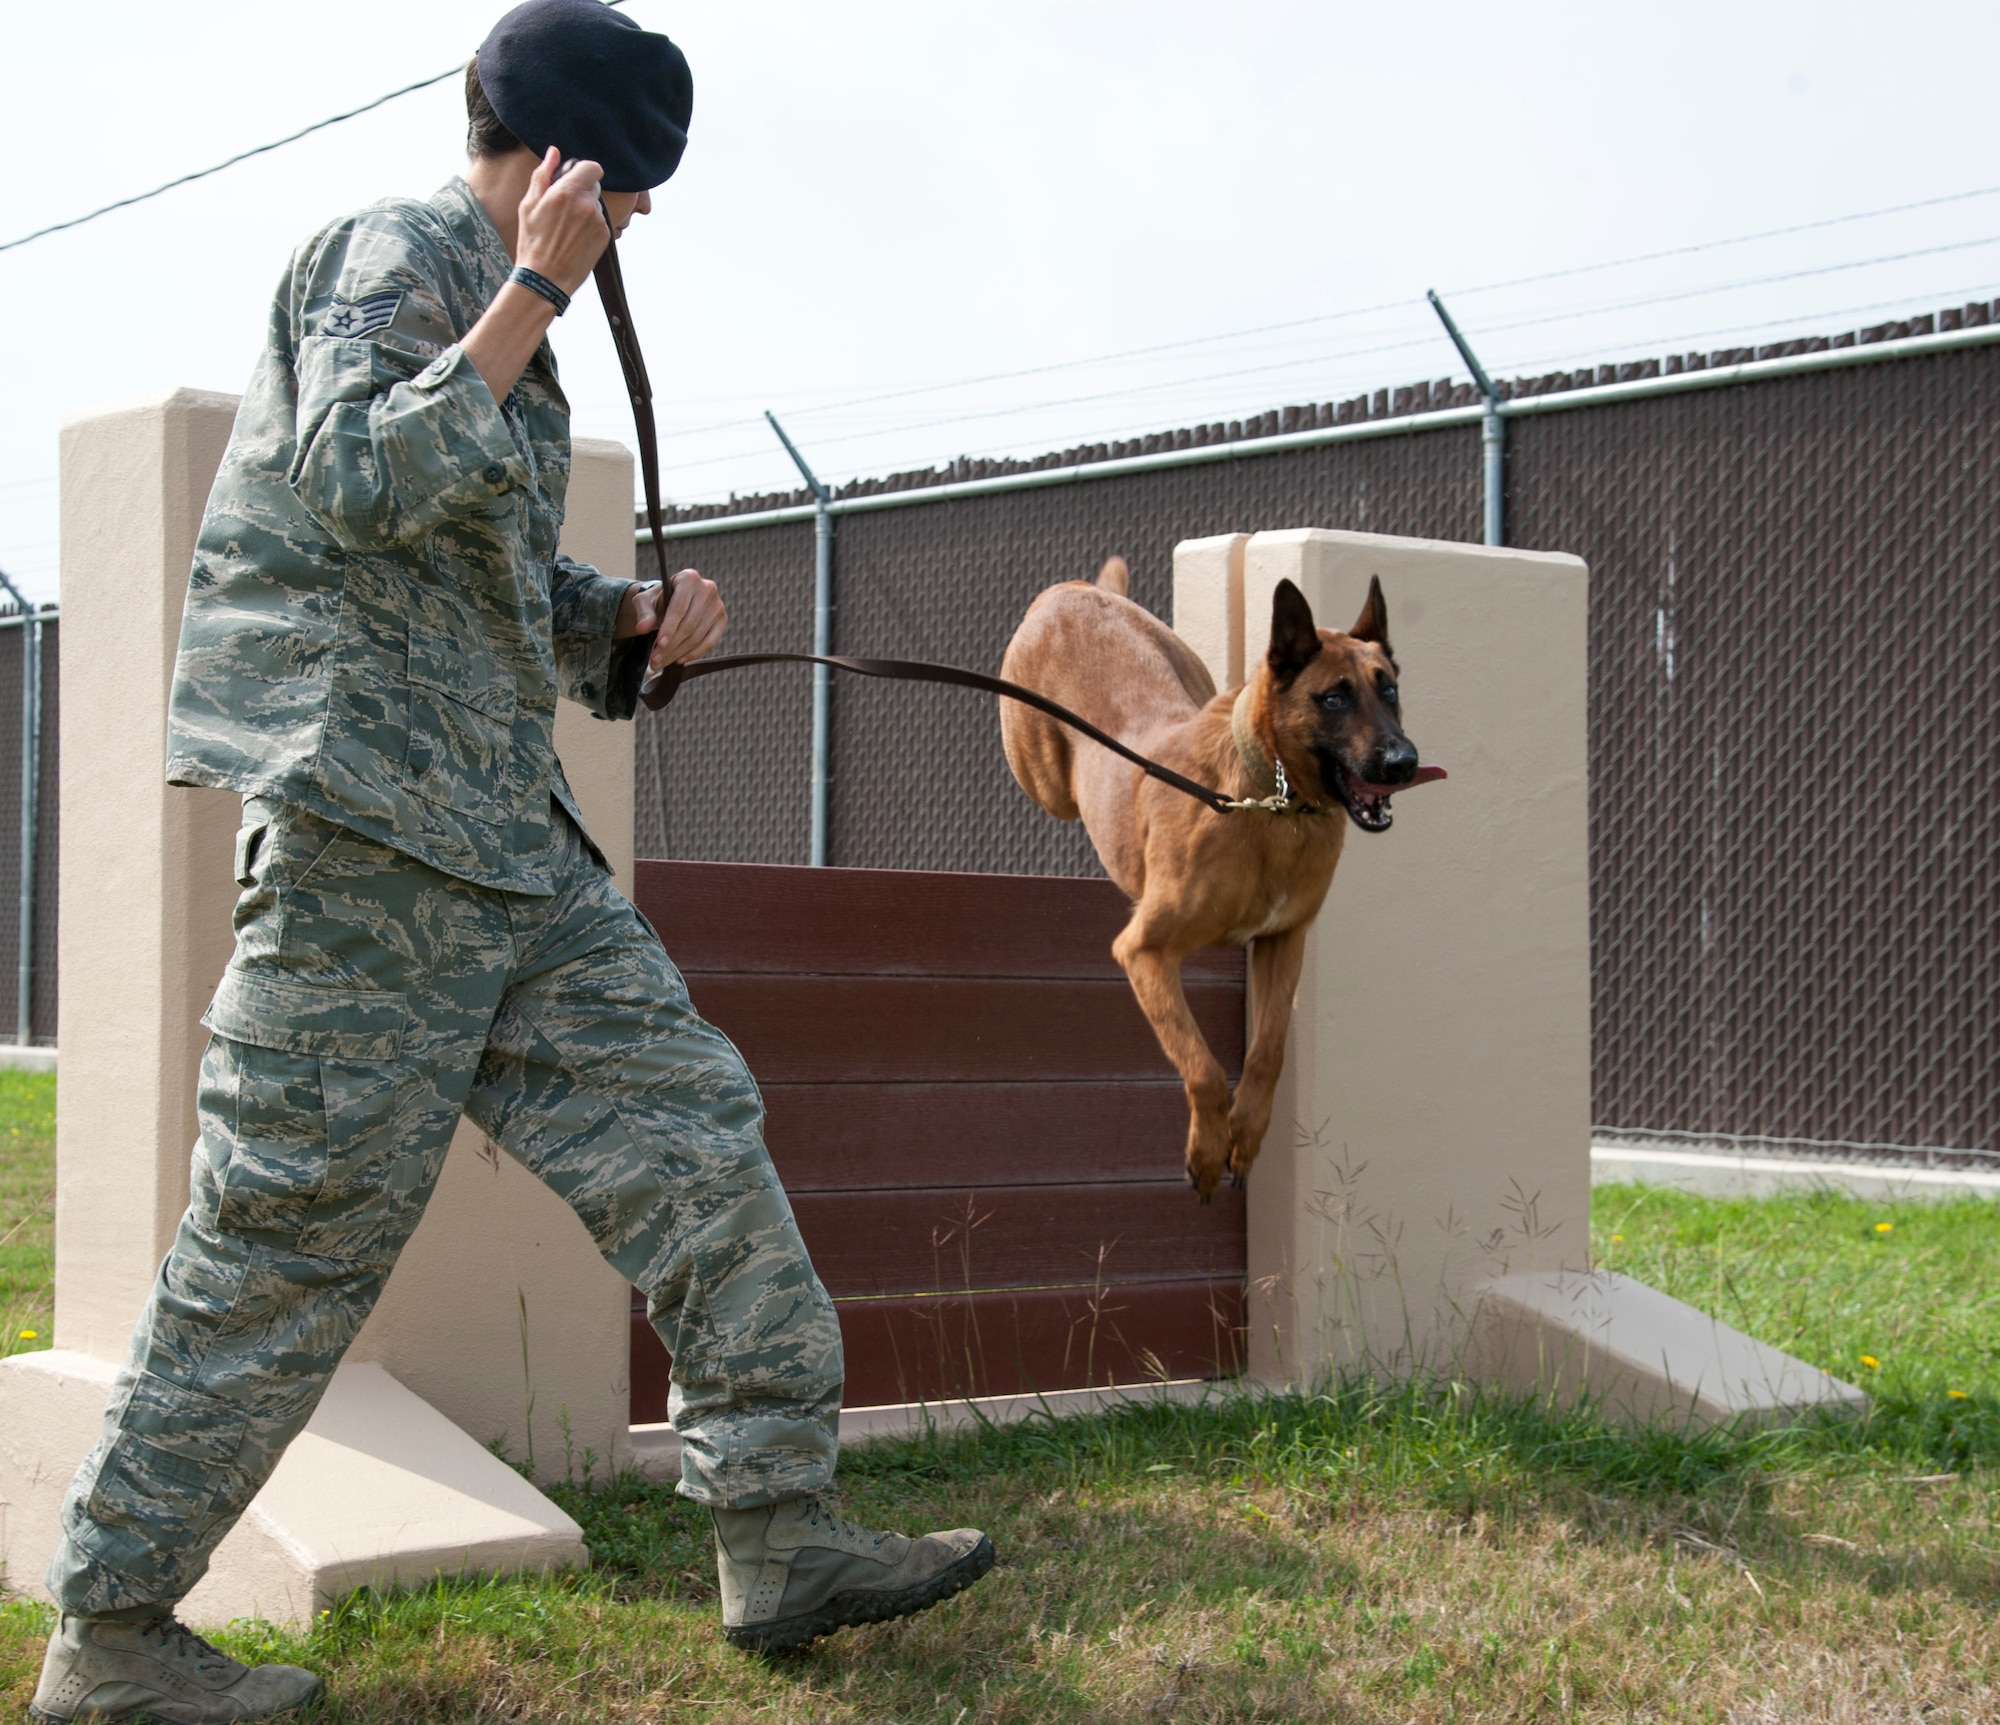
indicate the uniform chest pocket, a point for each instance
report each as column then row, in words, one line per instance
column 461, row 726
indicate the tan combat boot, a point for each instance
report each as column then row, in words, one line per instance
column 791, row 1571
column 161, row 1672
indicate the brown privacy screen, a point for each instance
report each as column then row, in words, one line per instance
column 979, row 1135
column 1795, row 658
column 42, row 1026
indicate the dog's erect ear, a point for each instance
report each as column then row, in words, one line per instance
column 1294, row 636
column 1114, row 577
column 1373, row 623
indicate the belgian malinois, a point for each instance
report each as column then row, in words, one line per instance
column 1314, row 736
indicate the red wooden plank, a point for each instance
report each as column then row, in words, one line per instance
column 1042, row 1339
column 974, row 1239
column 830, row 921
column 859, row 1029
column 829, row 1137
column 651, row 1369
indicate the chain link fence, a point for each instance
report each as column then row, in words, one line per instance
column 1794, row 641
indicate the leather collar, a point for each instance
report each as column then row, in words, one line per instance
column 1271, row 788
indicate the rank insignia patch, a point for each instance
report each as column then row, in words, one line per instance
column 348, row 319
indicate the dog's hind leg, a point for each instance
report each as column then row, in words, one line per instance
column 1275, row 962
column 1155, row 975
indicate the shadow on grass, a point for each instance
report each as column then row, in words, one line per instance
column 1222, row 1532
column 1441, row 1448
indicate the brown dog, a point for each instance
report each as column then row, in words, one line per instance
column 1316, row 730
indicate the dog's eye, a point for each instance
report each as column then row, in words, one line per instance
column 1336, row 699
column 1389, row 696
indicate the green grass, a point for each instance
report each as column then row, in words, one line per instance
column 1902, row 1299
column 1421, row 1553
column 27, row 1209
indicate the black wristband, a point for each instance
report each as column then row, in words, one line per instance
column 535, row 282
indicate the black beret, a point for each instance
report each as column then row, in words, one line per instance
column 576, row 74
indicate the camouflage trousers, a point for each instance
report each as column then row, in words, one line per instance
column 371, row 1000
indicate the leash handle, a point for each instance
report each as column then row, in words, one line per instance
column 660, row 691
column 611, row 292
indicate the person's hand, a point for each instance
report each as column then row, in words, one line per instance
column 562, row 228
column 690, row 620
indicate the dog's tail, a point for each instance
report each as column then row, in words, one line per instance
column 1114, row 577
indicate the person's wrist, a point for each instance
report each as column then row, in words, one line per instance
column 550, row 269
column 539, row 283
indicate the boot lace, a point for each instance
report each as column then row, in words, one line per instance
column 181, row 1643
column 819, row 1515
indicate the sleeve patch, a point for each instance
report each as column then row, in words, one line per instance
column 349, row 319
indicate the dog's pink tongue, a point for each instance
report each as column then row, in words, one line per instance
column 1424, row 777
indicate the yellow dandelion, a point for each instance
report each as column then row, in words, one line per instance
column 1885, row 1227
column 1956, row 1395
column 30, row 1335
column 1618, row 1239
column 1871, row 1362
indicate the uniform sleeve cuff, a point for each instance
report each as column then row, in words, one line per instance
column 589, row 659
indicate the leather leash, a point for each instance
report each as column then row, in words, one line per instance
column 611, row 292
column 957, row 677
column 658, row 690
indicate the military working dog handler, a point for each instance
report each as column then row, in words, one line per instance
column 378, row 625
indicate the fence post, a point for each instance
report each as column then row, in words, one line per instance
column 1492, row 429
column 822, row 719
column 31, row 737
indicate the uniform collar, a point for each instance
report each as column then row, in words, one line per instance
column 478, row 239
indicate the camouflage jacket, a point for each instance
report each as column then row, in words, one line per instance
column 378, row 621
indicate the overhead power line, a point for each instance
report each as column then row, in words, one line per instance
column 1740, row 240
column 240, row 156
column 1419, row 338
column 1524, row 367
column 1487, row 287
column 1400, row 304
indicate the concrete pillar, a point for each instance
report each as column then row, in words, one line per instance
column 1432, row 1127
column 1208, row 602
column 500, row 1302
column 145, row 868
column 1422, row 1201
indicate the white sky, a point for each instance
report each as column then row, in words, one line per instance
column 887, row 197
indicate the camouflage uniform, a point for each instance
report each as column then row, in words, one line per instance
column 376, row 628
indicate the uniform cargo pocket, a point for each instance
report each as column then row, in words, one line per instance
column 461, row 726
column 264, row 1107
column 308, row 1018
column 170, row 1456
column 380, row 1166
column 301, row 1096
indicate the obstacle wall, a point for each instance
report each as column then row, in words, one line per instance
column 976, row 1126
column 1792, row 935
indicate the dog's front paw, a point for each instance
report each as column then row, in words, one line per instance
column 1246, row 1138
column 1204, row 1176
